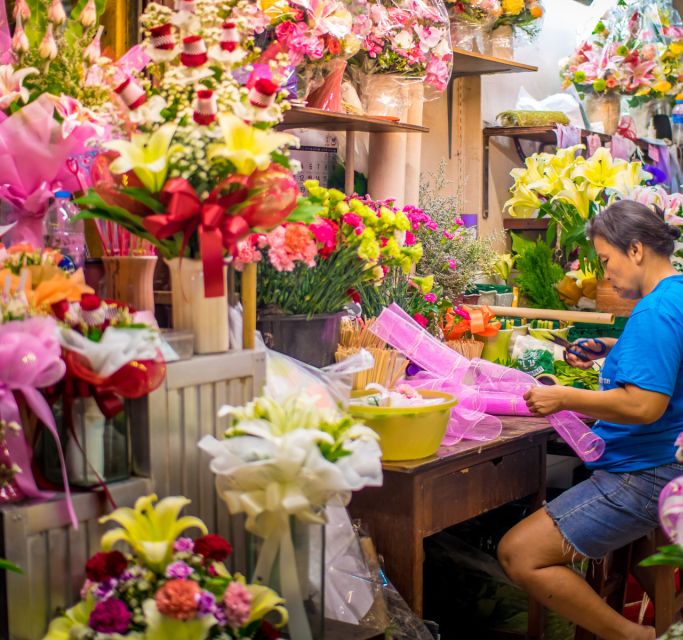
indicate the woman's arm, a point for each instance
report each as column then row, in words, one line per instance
column 624, row 405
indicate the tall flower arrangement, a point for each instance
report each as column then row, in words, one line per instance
column 524, row 15
column 203, row 166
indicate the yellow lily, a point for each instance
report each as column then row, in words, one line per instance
column 263, row 601
column 632, row 176
column 580, row 196
column 504, row 266
column 161, row 627
column 274, row 9
column 245, row 146
column 601, row 170
column 523, row 204
column 424, row 283
column 74, row 620
column 146, row 155
column 150, row 531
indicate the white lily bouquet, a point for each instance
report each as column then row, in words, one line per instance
column 284, row 460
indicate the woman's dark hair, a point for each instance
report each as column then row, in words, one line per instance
column 626, row 221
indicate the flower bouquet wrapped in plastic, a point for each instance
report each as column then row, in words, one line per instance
column 406, row 43
column 471, row 20
column 166, row 585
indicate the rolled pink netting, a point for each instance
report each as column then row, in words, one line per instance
column 483, row 388
column 671, row 510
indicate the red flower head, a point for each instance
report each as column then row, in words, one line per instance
column 105, row 565
column 268, row 631
column 421, row 320
column 60, row 308
column 333, row 45
column 90, row 302
column 110, row 616
column 213, row 547
column 325, row 232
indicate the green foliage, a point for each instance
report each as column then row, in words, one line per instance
column 6, row 565
column 310, row 291
column 538, row 273
column 670, row 555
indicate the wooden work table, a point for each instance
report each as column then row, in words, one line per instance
column 422, row 497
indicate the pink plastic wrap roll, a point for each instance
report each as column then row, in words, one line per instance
column 671, row 509
column 482, row 387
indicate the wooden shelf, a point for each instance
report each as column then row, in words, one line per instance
column 307, row 118
column 525, row 224
column 469, row 63
column 546, row 134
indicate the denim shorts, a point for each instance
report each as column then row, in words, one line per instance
column 610, row 510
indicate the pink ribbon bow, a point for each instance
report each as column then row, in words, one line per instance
column 30, row 359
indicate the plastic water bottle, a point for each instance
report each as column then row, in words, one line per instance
column 677, row 120
column 62, row 232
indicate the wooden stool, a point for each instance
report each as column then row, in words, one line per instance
column 609, row 577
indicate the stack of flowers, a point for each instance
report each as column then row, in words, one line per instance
column 315, row 268
column 52, row 106
column 480, row 14
column 570, row 189
column 410, row 38
column 634, row 51
column 165, row 586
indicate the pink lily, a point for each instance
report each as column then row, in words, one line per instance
column 11, row 84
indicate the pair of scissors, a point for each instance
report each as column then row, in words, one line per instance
column 581, row 348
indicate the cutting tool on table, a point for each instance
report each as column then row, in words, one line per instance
column 582, row 349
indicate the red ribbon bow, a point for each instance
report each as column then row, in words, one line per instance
column 186, row 212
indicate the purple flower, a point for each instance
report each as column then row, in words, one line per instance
column 105, row 589
column 126, row 576
column 110, row 616
column 183, row 545
column 178, row 570
column 206, row 603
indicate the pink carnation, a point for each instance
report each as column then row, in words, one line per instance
column 438, row 74
column 352, row 219
column 237, row 601
column 430, row 297
column 246, row 253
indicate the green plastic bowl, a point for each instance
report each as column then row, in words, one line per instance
column 407, row 433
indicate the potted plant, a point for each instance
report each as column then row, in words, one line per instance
column 308, row 272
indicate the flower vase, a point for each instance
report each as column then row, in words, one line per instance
column 385, row 95
column 130, row 279
column 311, row 340
column 292, row 562
column 603, row 110
column 467, row 36
column 501, row 42
column 207, row 318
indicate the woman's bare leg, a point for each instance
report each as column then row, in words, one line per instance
column 535, row 556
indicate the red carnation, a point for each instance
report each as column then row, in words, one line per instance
column 268, row 632
column 213, row 547
column 60, row 308
column 105, row 565
column 265, row 86
column 90, row 302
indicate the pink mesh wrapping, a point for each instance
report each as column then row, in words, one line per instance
column 483, row 388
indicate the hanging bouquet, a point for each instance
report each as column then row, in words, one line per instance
column 524, row 15
column 571, row 189
column 406, row 37
column 204, row 168
column 630, row 52
column 165, row 585
column 671, row 204
column 285, row 460
column 315, row 268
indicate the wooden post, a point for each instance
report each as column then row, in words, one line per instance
column 414, row 144
column 349, row 163
column 248, row 306
column 387, row 166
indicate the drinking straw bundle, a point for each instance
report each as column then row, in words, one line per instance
column 389, row 365
column 470, row 349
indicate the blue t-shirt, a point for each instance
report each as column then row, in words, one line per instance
column 649, row 355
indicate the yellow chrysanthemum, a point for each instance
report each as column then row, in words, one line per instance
column 513, row 7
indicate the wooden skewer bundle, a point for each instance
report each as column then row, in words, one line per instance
column 388, row 369
column 470, row 349
column 355, row 333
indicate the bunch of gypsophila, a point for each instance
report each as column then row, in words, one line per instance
column 454, row 256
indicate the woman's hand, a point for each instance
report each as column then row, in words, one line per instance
column 588, row 346
column 542, row 401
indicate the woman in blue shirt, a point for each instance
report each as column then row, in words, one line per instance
column 639, row 409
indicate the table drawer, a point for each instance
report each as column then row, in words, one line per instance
column 460, row 495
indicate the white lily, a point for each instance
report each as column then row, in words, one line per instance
column 11, row 84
